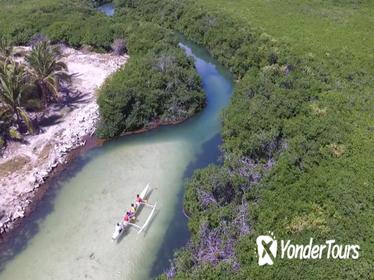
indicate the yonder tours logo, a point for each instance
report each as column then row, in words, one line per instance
column 267, row 249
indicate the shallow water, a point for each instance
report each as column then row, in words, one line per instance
column 69, row 235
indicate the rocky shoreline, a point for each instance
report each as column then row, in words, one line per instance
column 25, row 168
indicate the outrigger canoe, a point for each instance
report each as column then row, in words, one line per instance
column 122, row 226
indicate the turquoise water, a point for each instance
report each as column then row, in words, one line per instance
column 107, row 9
column 69, row 234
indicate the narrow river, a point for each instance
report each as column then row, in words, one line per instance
column 69, row 234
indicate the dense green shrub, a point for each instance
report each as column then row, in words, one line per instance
column 97, row 3
column 158, row 84
column 151, row 87
column 73, row 22
column 309, row 115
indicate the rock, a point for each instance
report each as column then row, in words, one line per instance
column 4, row 220
column 19, row 214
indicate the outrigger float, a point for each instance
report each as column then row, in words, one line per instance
column 122, row 226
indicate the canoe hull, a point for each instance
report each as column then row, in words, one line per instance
column 124, row 225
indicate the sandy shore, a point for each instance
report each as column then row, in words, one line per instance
column 24, row 167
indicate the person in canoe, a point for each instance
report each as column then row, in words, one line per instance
column 132, row 211
column 138, row 200
column 126, row 218
column 131, row 215
column 118, row 228
column 132, row 208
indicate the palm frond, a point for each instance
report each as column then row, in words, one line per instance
column 47, row 70
column 26, row 119
column 51, row 84
column 13, row 85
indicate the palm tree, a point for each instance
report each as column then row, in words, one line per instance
column 47, row 70
column 13, row 86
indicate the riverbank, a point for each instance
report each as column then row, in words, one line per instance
column 25, row 167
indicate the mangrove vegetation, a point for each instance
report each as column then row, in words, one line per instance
column 297, row 145
column 297, row 136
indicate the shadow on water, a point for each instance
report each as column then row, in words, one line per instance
column 154, row 217
column 177, row 233
column 19, row 241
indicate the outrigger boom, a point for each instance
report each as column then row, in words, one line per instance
column 141, row 228
column 134, row 225
column 149, row 217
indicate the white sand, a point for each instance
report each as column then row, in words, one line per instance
column 45, row 151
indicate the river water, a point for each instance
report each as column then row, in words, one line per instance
column 69, row 234
column 107, row 9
